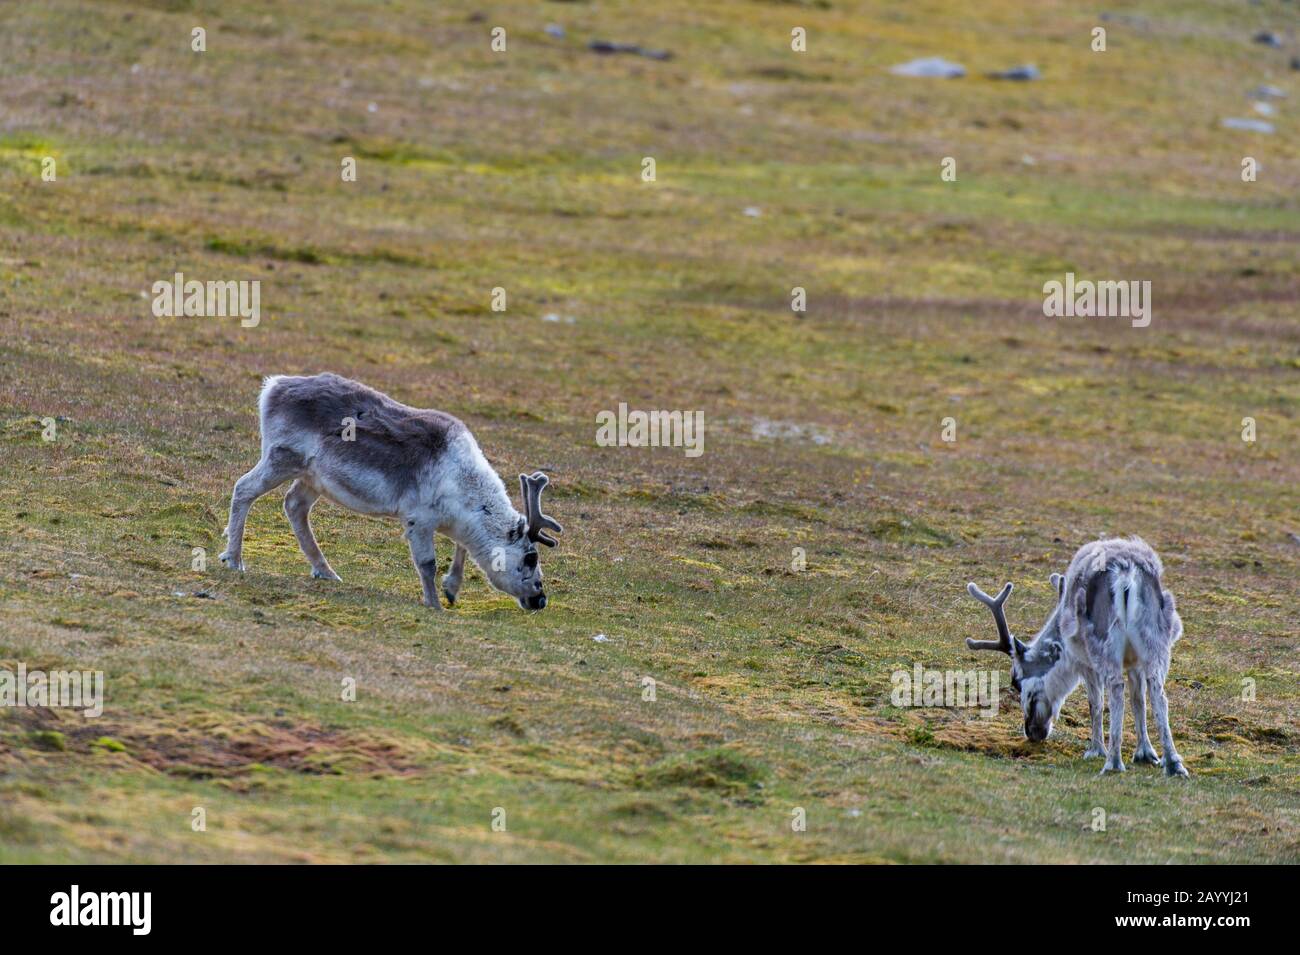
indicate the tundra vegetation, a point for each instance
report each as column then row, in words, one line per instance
column 752, row 602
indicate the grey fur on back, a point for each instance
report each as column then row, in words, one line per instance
column 1096, row 581
column 396, row 438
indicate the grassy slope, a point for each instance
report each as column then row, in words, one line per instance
column 522, row 170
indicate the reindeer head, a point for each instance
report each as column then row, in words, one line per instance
column 1029, row 662
column 518, row 572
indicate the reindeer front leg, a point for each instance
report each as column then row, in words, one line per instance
column 451, row 582
column 1096, row 704
column 420, row 537
column 1160, row 706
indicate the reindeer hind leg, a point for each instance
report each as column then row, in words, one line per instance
column 278, row 464
column 297, row 507
column 1145, row 752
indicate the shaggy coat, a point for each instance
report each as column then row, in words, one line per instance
column 1112, row 617
column 339, row 439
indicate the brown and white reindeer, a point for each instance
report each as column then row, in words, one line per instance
column 1112, row 617
column 339, row 439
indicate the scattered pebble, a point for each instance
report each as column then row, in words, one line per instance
column 608, row 46
column 931, row 66
column 1264, row 109
column 1249, row 125
column 601, row 638
column 1268, row 38
column 1026, row 72
column 556, row 317
column 753, row 211
column 372, row 108
column 555, row 30
column 788, row 430
column 1267, row 91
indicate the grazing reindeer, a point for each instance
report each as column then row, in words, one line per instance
column 359, row 448
column 1111, row 616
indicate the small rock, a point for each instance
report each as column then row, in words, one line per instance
column 1023, row 73
column 1264, row 109
column 601, row 638
column 930, row 66
column 609, row 46
column 1268, row 38
column 1249, row 125
column 1267, row 91
column 555, row 30
column 753, row 211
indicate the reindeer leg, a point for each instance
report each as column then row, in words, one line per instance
column 1145, row 752
column 278, row 464
column 297, row 507
column 1160, row 707
column 1096, row 704
column 451, row 582
column 1115, row 695
column 420, row 537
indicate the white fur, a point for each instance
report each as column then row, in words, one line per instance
column 455, row 493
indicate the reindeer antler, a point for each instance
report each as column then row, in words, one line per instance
column 538, row 523
column 1003, row 642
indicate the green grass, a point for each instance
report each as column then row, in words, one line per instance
column 522, row 170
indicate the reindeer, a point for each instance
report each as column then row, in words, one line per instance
column 339, row 439
column 1112, row 615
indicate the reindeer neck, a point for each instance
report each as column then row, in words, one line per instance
column 1059, row 682
column 485, row 516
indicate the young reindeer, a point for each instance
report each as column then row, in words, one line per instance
column 339, row 439
column 1112, row 616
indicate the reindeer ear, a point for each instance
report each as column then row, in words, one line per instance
column 1068, row 621
column 1058, row 584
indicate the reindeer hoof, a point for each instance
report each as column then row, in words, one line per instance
column 1146, row 757
column 448, row 592
column 326, row 574
column 226, row 559
column 1176, row 768
column 1117, row 767
column 1094, row 752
